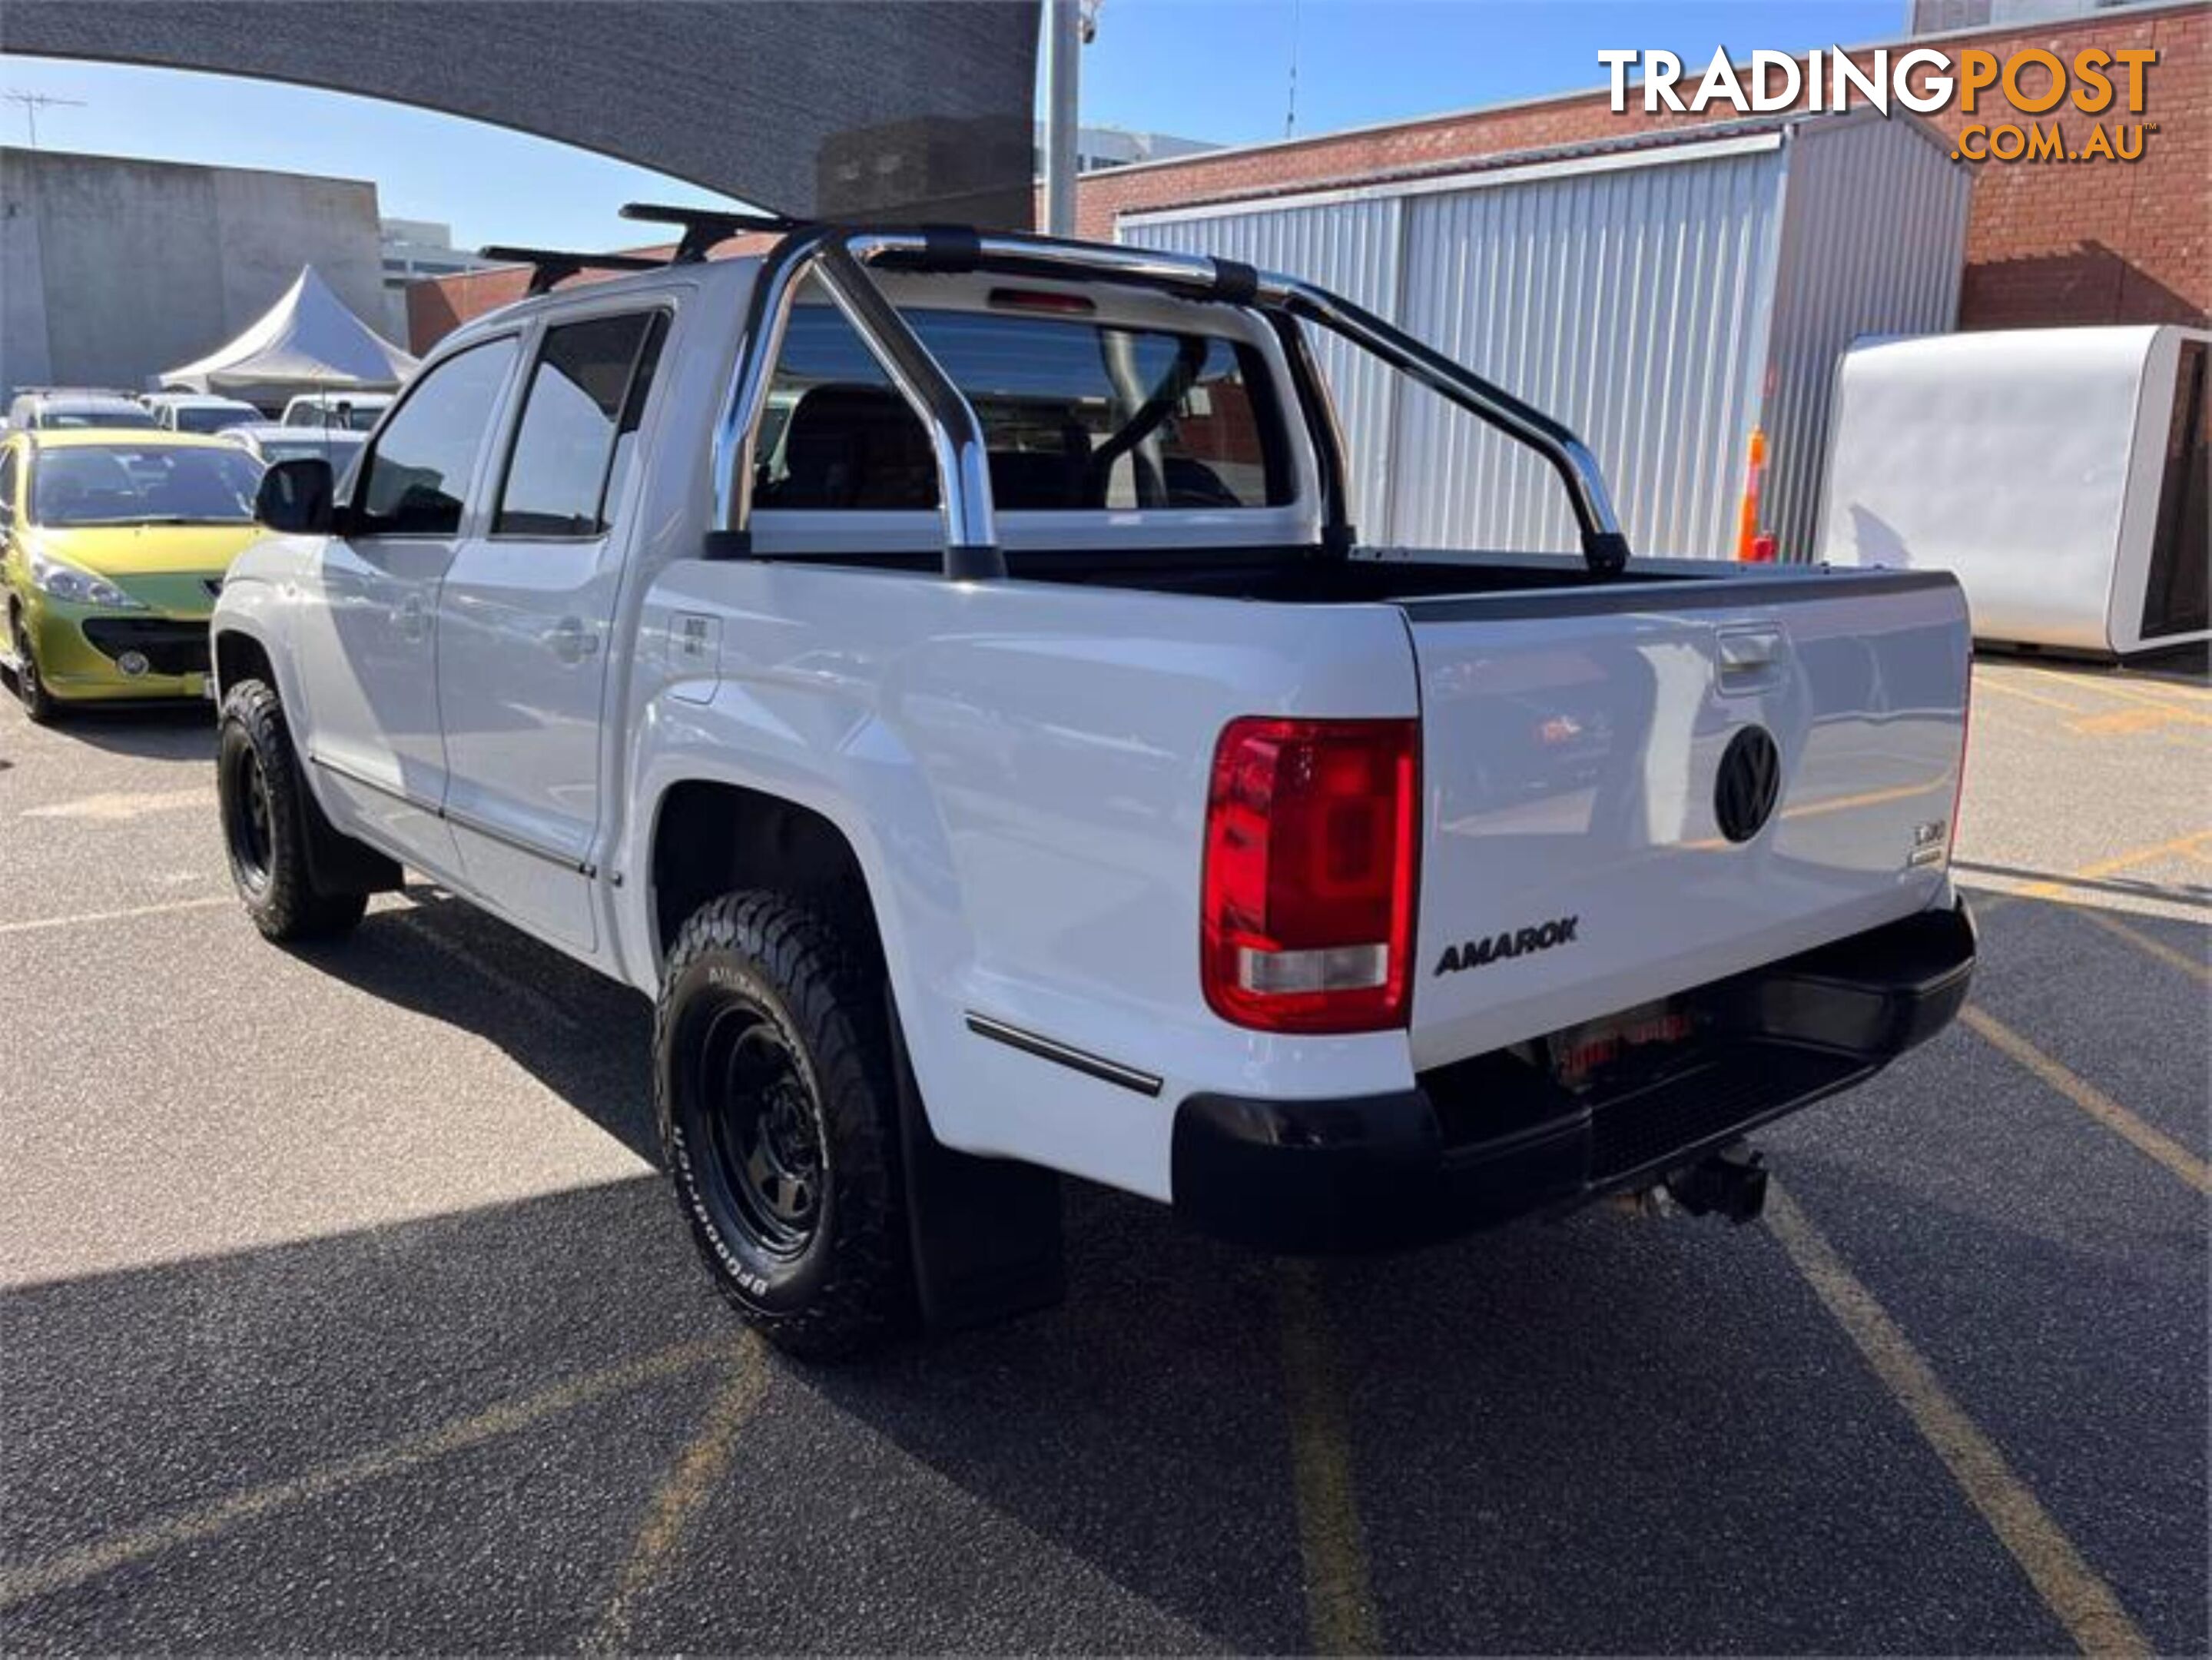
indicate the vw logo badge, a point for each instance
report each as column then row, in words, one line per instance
column 1749, row 784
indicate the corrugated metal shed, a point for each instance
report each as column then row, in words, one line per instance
column 1664, row 294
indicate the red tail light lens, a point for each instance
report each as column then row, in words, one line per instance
column 1965, row 741
column 1312, row 843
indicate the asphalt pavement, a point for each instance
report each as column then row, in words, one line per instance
column 342, row 1309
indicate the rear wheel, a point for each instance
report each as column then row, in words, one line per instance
column 778, row 1106
column 30, row 689
column 265, row 806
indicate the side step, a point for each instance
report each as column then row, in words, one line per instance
column 985, row 1233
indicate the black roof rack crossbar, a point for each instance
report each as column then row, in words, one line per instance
column 551, row 265
column 703, row 228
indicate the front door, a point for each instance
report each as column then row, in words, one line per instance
column 523, row 621
column 367, row 632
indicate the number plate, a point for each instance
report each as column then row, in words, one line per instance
column 1580, row 1052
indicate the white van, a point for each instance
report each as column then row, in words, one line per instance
column 2060, row 474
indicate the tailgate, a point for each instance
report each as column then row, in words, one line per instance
column 1600, row 826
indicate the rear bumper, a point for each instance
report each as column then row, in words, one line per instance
column 1490, row 1138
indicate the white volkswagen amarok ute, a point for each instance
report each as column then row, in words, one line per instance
column 940, row 669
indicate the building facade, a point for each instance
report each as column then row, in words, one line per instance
column 413, row 250
column 1097, row 150
column 2047, row 245
column 112, row 270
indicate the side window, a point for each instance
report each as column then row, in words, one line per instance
column 416, row 481
column 578, row 426
column 7, row 487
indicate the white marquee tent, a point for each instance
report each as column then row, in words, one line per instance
column 309, row 341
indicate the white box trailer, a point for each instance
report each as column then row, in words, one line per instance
column 1668, row 293
column 2061, row 473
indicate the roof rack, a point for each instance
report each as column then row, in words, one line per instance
column 551, row 265
column 703, row 228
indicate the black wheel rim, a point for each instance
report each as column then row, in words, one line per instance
column 763, row 1168
column 250, row 818
column 27, row 667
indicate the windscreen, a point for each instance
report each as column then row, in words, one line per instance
column 121, row 484
column 1077, row 414
column 59, row 417
column 203, row 418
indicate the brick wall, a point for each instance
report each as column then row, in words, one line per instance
column 2047, row 243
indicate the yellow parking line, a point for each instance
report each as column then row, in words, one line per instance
column 85, row 918
column 1984, row 681
column 1865, row 798
column 74, row 1567
column 2055, row 887
column 2147, row 686
column 2091, row 1100
column 121, row 806
column 697, row 1471
column 2143, row 943
column 1814, row 808
column 2157, row 697
column 2137, row 717
column 2081, row 1600
column 1340, row 1602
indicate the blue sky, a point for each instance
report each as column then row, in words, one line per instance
column 1205, row 69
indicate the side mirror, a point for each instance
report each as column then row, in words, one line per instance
column 296, row 497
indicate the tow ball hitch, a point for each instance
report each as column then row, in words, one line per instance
column 1731, row 1182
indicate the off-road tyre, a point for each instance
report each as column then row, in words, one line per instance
column 40, row 706
column 770, row 1041
column 265, row 807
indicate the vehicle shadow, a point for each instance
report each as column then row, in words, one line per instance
column 147, row 731
column 1595, row 1435
column 584, row 1037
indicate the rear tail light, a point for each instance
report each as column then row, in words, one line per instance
column 1966, row 742
column 1312, row 848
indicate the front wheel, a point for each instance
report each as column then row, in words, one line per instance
column 777, row 1099
column 30, row 687
column 265, row 806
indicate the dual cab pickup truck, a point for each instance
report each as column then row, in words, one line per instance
column 939, row 669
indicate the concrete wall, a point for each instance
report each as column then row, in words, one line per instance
column 113, row 270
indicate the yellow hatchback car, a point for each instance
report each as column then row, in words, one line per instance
column 114, row 543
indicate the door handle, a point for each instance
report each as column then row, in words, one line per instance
column 571, row 641
column 1749, row 658
column 412, row 617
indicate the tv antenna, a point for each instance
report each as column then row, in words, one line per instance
column 1291, row 115
column 33, row 102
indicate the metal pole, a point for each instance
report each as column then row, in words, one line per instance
column 1063, row 42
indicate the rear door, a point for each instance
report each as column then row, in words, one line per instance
column 1631, row 791
column 523, row 621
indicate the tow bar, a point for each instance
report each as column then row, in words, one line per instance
column 1731, row 1182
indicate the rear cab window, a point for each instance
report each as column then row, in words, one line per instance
column 1081, row 414
column 581, row 415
